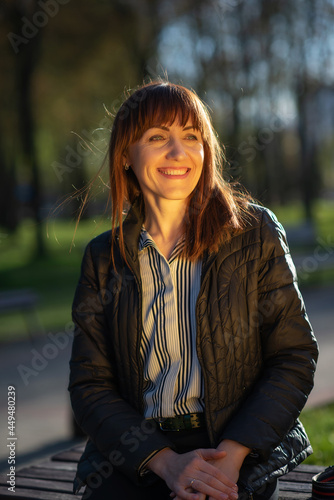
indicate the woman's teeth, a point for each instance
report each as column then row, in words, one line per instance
column 180, row 171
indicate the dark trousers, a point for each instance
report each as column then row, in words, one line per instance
column 119, row 487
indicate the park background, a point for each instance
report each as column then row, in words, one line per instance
column 266, row 70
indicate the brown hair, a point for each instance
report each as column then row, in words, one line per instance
column 215, row 209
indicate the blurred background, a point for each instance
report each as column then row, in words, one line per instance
column 266, row 70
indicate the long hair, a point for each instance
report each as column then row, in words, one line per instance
column 215, row 209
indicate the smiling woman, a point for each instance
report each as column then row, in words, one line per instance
column 192, row 355
column 172, row 120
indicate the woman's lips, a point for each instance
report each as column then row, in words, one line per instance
column 174, row 173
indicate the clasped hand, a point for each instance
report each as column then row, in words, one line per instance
column 195, row 475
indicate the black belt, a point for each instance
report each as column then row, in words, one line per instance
column 323, row 484
column 182, row 422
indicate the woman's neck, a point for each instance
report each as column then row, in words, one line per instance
column 165, row 223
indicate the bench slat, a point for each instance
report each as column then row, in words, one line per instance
column 49, row 464
column 298, row 477
column 51, row 474
column 292, row 486
column 40, row 484
column 80, row 448
column 293, row 495
column 26, row 494
column 67, row 456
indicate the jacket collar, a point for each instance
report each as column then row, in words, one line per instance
column 132, row 227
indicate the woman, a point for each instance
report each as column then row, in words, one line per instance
column 193, row 355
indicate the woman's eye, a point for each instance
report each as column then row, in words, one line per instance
column 193, row 138
column 156, row 138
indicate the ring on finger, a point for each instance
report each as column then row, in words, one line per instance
column 191, row 483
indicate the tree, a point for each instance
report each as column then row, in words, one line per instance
column 262, row 61
column 27, row 54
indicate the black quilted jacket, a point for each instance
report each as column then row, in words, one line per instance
column 254, row 343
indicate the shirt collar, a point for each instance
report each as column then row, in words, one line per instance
column 145, row 240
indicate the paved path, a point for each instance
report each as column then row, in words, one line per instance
column 320, row 308
column 39, row 371
column 43, row 415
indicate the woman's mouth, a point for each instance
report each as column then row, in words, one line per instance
column 174, row 172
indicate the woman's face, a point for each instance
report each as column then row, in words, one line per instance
column 167, row 161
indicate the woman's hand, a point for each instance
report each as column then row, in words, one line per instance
column 191, row 476
column 231, row 463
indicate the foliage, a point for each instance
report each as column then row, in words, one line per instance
column 319, row 425
column 264, row 68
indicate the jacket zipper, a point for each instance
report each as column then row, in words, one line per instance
column 248, row 490
column 139, row 333
column 199, row 353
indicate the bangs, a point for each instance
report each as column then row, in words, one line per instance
column 163, row 104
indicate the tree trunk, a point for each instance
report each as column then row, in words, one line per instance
column 26, row 62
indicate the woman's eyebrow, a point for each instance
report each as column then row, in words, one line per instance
column 162, row 127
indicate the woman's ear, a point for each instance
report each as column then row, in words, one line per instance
column 126, row 160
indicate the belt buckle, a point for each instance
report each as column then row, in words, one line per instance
column 194, row 421
column 160, row 422
column 166, row 424
column 180, row 422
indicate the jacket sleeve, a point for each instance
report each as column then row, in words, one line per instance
column 118, row 430
column 289, row 349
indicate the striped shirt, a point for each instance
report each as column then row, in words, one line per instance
column 173, row 383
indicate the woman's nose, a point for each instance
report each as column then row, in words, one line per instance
column 176, row 150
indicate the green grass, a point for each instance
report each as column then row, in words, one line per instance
column 319, row 425
column 54, row 277
column 293, row 215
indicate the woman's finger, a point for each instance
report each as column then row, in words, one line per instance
column 211, row 453
column 212, row 475
column 209, row 486
column 201, row 496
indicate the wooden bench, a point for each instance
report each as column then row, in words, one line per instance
column 23, row 301
column 52, row 480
